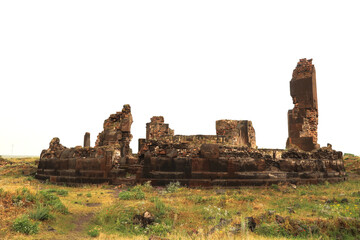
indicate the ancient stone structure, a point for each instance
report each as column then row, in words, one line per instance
column 229, row 158
column 87, row 139
column 109, row 160
column 303, row 118
column 238, row 133
column 157, row 129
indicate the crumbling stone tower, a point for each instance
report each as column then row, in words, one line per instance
column 303, row 118
column 116, row 132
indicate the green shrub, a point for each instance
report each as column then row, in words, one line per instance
column 160, row 208
column 147, row 186
column 88, row 194
column 159, row 229
column 49, row 199
column 24, row 225
column 41, row 213
column 60, row 207
column 93, row 232
column 60, row 192
column 271, row 230
column 23, row 196
column 172, row 187
column 134, row 193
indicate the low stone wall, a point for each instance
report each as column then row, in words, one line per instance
column 81, row 165
column 214, row 164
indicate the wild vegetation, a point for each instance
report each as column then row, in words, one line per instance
column 31, row 209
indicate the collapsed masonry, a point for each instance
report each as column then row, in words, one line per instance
column 110, row 159
column 229, row 158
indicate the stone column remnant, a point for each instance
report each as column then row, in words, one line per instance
column 237, row 132
column 87, row 139
column 303, row 118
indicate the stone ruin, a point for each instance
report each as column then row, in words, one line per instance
column 229, row 158
column 303, row 118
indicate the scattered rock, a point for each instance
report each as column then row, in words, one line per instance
column 290, row 210
column 331, row 201
column 271, row 212
column 279, row 219
column 326, row 207
column 220, row 191
column 145, row 219
column 51, row 229
column 251, row 223
column 93, row 204
column 222, row 223
column 293, row 186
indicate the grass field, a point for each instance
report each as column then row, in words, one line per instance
column 30, row 209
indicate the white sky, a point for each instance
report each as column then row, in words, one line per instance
column 65, row 66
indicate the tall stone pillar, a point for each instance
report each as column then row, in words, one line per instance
column 303, row 118
column 87, row 139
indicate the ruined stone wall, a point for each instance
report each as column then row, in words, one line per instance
column 117, row 132
column 228, row 132
column 157, row 129
column 238, row 133
column 214, row 164
column 77, row 165
column 303, row 118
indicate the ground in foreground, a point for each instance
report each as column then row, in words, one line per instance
column 30, row 209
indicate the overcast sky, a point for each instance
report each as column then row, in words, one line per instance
column 65, row 66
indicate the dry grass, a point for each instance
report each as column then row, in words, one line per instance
column 185, row 213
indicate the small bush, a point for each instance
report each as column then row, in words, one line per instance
column 24, row 225
column 49, row 199
column 60, row 207
column 88, row 194
column 93, row 232
column 172, row 187
column 160, row 208
column 159, row 229
column 134, row 193
column 271, row 230
column 60, row 192
column 41, row 213
column 147, row 186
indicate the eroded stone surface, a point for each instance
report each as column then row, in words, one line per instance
column 303, row 118
column 239, row 133
column 87, row 139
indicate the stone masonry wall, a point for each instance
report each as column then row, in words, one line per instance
column 303, row 118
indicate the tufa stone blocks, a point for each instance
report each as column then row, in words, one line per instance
column 303, row 118
column 238, row 133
